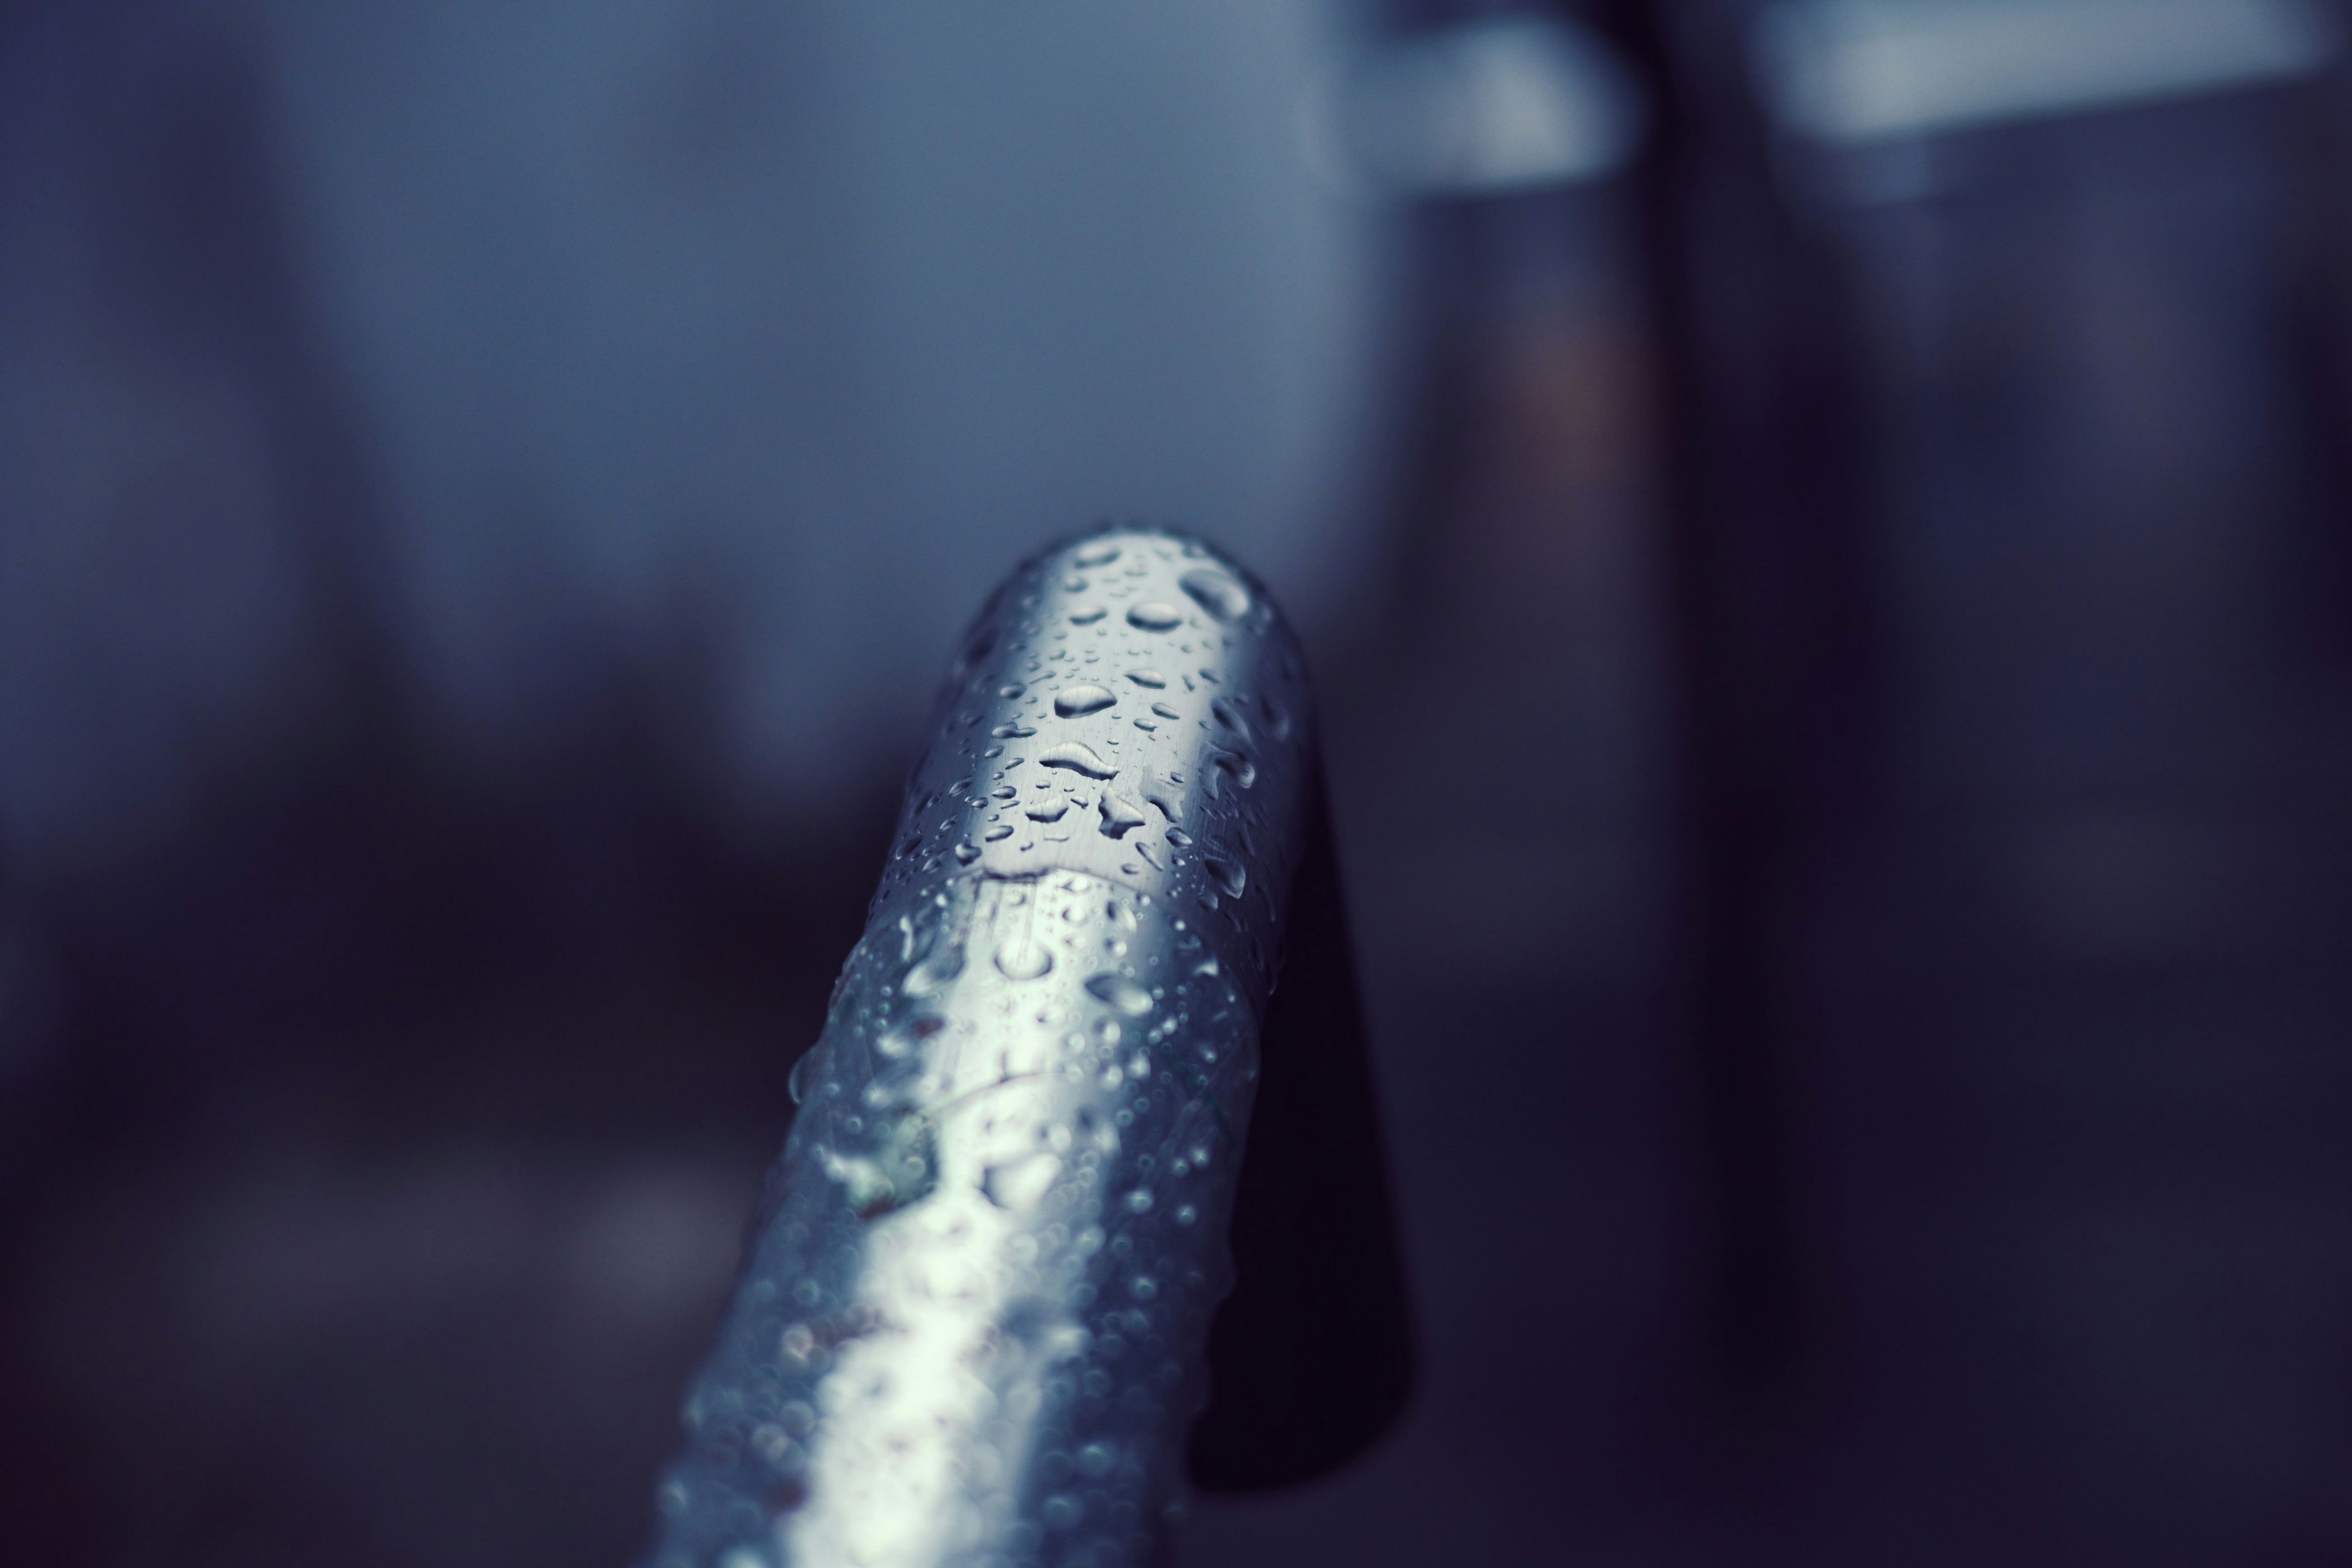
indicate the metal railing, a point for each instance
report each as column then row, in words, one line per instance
column 973, row 1325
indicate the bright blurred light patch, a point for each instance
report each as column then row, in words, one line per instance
column 765, row 332
column 1869, row 70
column 1485, row 109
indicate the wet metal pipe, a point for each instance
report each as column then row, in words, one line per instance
column 972, row 1325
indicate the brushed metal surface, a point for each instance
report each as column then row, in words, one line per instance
column 971, row 1329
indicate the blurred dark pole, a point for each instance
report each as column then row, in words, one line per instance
column 1760, row 458
column 2316, row 345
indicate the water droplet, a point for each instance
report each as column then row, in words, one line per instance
column 1097, row 1459
column 1138, row 1202
column 804, row 1076
column 1097, row 1129
column 1179, row 837
column 1154, row 617
column 1239, row 768
column 1144, row 1287
column 768, row 1440
column 1097, row 554
column 1150, row 678
column 1165, row 711
column 1277, row 718
column 1230, row 715
column 1216, row 593
column 1012, row 732
column 1012, row 689
column 1047, row 810
column 1186, row 1214
column 1061, row 1511
column 1159, row 792
column 1079, row 759
column 1024, row 958
column 1119, row 815
column 869, row 1187
column 1151, row 856
column 1019, row 1184
column 966, row 853
column 1228, row 875
column 933, row 973
column 1075, row 700
column 997, row 835
column 897, row 1042
column 1089, row 615
column 1073, row 582
column 1123, row 994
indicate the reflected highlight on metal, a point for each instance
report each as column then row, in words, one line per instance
column 972, row 1323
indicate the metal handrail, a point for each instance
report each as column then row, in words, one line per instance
column 972, row 1323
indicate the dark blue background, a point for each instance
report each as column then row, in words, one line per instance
column 1838, row 697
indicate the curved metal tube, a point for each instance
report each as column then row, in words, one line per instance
column 972, row 1323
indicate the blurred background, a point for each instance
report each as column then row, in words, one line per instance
column 1824, row 530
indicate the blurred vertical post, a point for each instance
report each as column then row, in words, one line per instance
column 1774, row 643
